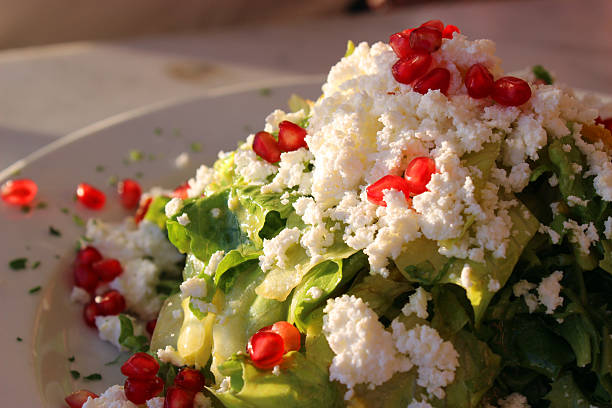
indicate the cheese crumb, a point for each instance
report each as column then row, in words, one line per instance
column 419, row 404
column 182, row 160
column 274, row 249
column 215, row 212
column 202, row 401
column 183, row 219
column 170, row 355
column 113, row 397
column 436, row 359
column 493, row 285
column 364, row 350
column 584, row 235
column 608, row 228
column 314, row 292
column 276, row 370
column 194, row 287
column 548, row 291
column 417, row 304
column 555, row 238
column 173, row 207
column 522, row 288
column 79, row 295
column 574, row 201
column 514, row 400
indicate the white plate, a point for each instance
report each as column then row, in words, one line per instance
column 36, row 371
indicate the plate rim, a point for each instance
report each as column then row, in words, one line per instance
column 130, row 114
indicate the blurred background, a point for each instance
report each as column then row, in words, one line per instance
column 65, row 64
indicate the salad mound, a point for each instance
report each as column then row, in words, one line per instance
column 428, row 233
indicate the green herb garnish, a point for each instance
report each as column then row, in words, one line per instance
column 93, row 377
column 25, row 209
column 54, row 231
column 19, row 339
column 41, row 206
column 75, row 374
column 100, row 168
column 71, row 359
column 18, row 264
column 542, row 74
column 65, row 210
column 34, row 290
column 196, row 147
column 78, row 220
column 265, row 92
column 158, row 131
column 35, row 265
column 136, row 155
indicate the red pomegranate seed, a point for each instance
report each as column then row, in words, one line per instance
column 449, row 30
column 90, row 196
column 110, row 304
column 85, row 277
column 266, row 349
column 425, row 39
column 19, row 192
column 418, row 173
column 400, row 42
column 78, row 398
column 289, row 333
column 266, row 147
column 607, row 123
column 190, row 379
column 435, row 24
column 151, row 326
column 177, row 397
column 291, row 136
column 408, row 69
column 139, row 391
column 142, row 210
column 437, row 78
column 88, row 255
column 511, row 91
column 388, row 182
column 107, row 269
column 140, row 366
column 129, row 193
column 90, row 311
column 181, row 191
column 478, row 81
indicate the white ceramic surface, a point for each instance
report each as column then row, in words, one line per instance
column 36, row 371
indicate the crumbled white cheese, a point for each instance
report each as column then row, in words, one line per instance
column 204, row 176
column 417, row 304
column 364, row 350
column 79, row 295
column 584, row 235
column 276, row 370
column 195, row 287
column 113, row 397
column 157, row 402
column 253, row 169
column 170, row 355
column 292, row 172
column 493, row 285
column 566, row 148
column 554, row 235
column 213, row 262
column 109, row 329
column 274, row 249
column 573, row 201
column 314, row 292
column 173, row 207
column 225, row 385
column 182, row 160
column 137, row 285
column 466, row 276
column 436, row 359
column 553, row 180
column 203, row 306
column 183, row 219
column 549, row 291
column 419, row 404
column 514, row 400
column 608, row 228
column 522, row 288
column 215, row 212
column 599, row 164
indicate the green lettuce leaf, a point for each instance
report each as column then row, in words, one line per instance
column 156, row 212
column 301, row 384
column 566, row 394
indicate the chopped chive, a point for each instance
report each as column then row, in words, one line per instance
column 265, row 91
column 54, row 231
column 18, row 264
column 78, row 220
column 56, row 256
column 158, row 131
column 542, row 74
column 16, row 173
column 34, row 290
column 139, row 174
column 25, row 209
column 93, row 377
column 19, row 339
column 65, row 210
column 196, row 147
column 136, row 155
column 35, row 265
column 151, row 157
column 41, row 206
column 113, row 180
column 75, row 374
column 71, row 359
column 115, row 361
column 100, row 168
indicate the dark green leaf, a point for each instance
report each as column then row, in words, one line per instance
column 541, row 73
column 75, row 374
column 54, row 231
column 93, row 377
column 18, row 264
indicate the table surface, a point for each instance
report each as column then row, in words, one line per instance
column 48, row 92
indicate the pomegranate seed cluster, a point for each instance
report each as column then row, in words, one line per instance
column 267, row 347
